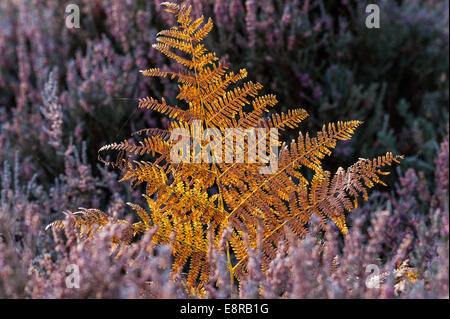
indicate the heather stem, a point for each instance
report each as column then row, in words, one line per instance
column 230, row 267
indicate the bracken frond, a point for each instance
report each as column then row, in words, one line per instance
column 262, row 200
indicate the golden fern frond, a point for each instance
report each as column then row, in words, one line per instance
column 213, row 75
column 211, row 92
column 260, row 105
column 192, row 203
column 292, row 119
column 202, row 32
column 327, row 199
column 163, row 108
column 147, row 172
column 176, row 44
column 150, row 145
column 163, row 134
column 310, row 151
column 87, row 222
column 142, row 214
column 306, row 152
column 165, row 49
column 182, row 77
column 221, row 112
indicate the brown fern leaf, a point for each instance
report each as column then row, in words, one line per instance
column 163, row 108
column 86, row 222
column 255, row 187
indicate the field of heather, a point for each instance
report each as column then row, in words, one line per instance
column 348, row 196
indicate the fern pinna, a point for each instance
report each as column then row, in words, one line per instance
column 188, row 214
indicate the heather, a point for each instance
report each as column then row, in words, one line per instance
column 64, row 93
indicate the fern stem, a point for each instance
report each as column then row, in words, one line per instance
column 230, row 267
